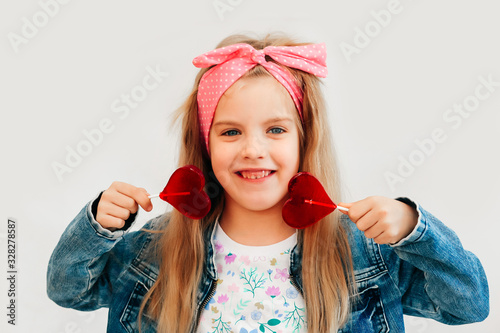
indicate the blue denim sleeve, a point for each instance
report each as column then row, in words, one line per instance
column 85, row 263
column 436, row 276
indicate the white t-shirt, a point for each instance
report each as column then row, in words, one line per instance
column 254, row 292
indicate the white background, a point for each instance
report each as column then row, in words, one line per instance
column 63, row 79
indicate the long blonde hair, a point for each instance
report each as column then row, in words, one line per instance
column 327, row 272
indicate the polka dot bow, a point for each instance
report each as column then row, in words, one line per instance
column 234, row 61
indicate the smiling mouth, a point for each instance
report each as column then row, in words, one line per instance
column 254, row 174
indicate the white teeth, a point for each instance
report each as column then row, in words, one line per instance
column 255, row 174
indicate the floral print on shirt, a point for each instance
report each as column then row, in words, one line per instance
column 254, row 293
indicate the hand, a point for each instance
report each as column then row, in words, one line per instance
column 385, row 220
column 118, row 202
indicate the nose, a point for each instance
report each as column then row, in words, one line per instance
column 254, row 147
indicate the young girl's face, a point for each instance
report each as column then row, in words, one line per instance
column 254, row 143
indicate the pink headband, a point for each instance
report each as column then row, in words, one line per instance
column 235, row 60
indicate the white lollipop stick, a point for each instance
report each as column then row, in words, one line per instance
column 154, row 196
column 343, row 208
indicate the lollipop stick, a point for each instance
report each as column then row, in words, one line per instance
column 312, row 202
column 169, row 195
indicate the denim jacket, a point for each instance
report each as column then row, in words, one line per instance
column 427, row 274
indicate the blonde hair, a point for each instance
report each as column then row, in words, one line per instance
column 327, row 272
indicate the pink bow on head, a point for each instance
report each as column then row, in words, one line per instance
column 233, row 61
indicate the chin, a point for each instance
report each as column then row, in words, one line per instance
column 263, row 204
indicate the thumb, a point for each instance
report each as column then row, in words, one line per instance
column 344, row 205
column 142, row 198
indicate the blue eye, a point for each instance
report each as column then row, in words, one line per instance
column 231, row 133
column 276, row 130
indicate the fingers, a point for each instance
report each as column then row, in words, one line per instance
column 345, row 205
column 372, row 216
column 111, row 209
column 137, row 194
column 109, row 221
column 118, row 202
column 372, row 224
column 121, row 200
column 368, row 221
column 383, row 238
column 357, row 209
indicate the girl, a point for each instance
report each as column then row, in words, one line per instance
column 254, row 119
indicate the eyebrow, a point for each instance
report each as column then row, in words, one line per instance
column 269, row 121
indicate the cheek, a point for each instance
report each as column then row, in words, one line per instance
column 216, row 161
column 290, row 150
column 288, row 156
column 220, row 165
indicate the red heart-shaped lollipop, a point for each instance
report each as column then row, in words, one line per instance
column 308, row 201
column 184, row 191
